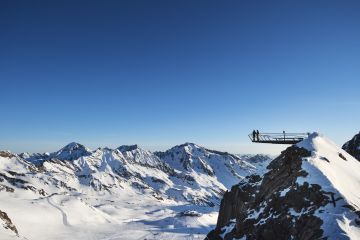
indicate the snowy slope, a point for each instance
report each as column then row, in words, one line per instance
column 260, row 161
column 123, row 193
column 309, row 192
column 207, row 173
column 338, row 172
column 192, row 159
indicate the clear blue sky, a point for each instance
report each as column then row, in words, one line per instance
column 160, row 73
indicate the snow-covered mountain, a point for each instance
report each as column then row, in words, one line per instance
column 309, row 192
column 353, row 146
column 261, row 161
column 81, row 194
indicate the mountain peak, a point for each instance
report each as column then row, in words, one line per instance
column 313, row 181
column 127, row 148
column 189, row 144
column 71, row 151
column 73, row 145
column 308, row 143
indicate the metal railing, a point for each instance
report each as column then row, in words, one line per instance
column 280, row 138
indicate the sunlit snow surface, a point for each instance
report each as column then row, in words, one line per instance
column 335, row 171
column 124, row 217
column 123, row 193
column 126, row 214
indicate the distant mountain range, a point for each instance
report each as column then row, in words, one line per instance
column 92, row 181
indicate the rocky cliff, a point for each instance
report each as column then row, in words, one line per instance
column 353, row 146
column 300, row 197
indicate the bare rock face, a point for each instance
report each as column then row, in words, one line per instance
column 6, row 154
column 353, row 146
column 7, row 223
column 274, row 206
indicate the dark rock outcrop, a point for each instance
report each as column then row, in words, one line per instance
column 126, row 148
column 7, row 223
column 6, row 154
column 274, row 206
column 353, row 146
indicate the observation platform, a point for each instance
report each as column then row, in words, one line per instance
column 278, row 138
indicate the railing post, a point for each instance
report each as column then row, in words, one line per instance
column 284, row 135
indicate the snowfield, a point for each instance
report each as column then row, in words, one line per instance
column 65, row 216
column 123, row 193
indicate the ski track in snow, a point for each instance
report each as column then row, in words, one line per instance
column 64, row 216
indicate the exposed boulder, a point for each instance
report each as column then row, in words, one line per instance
column 7, row 223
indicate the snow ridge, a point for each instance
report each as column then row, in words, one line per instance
column 341, row 169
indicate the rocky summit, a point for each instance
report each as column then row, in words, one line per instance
column 308, row 192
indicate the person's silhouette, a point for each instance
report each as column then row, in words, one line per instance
column 254, row 135
column 284, row 135
column 257, row 135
